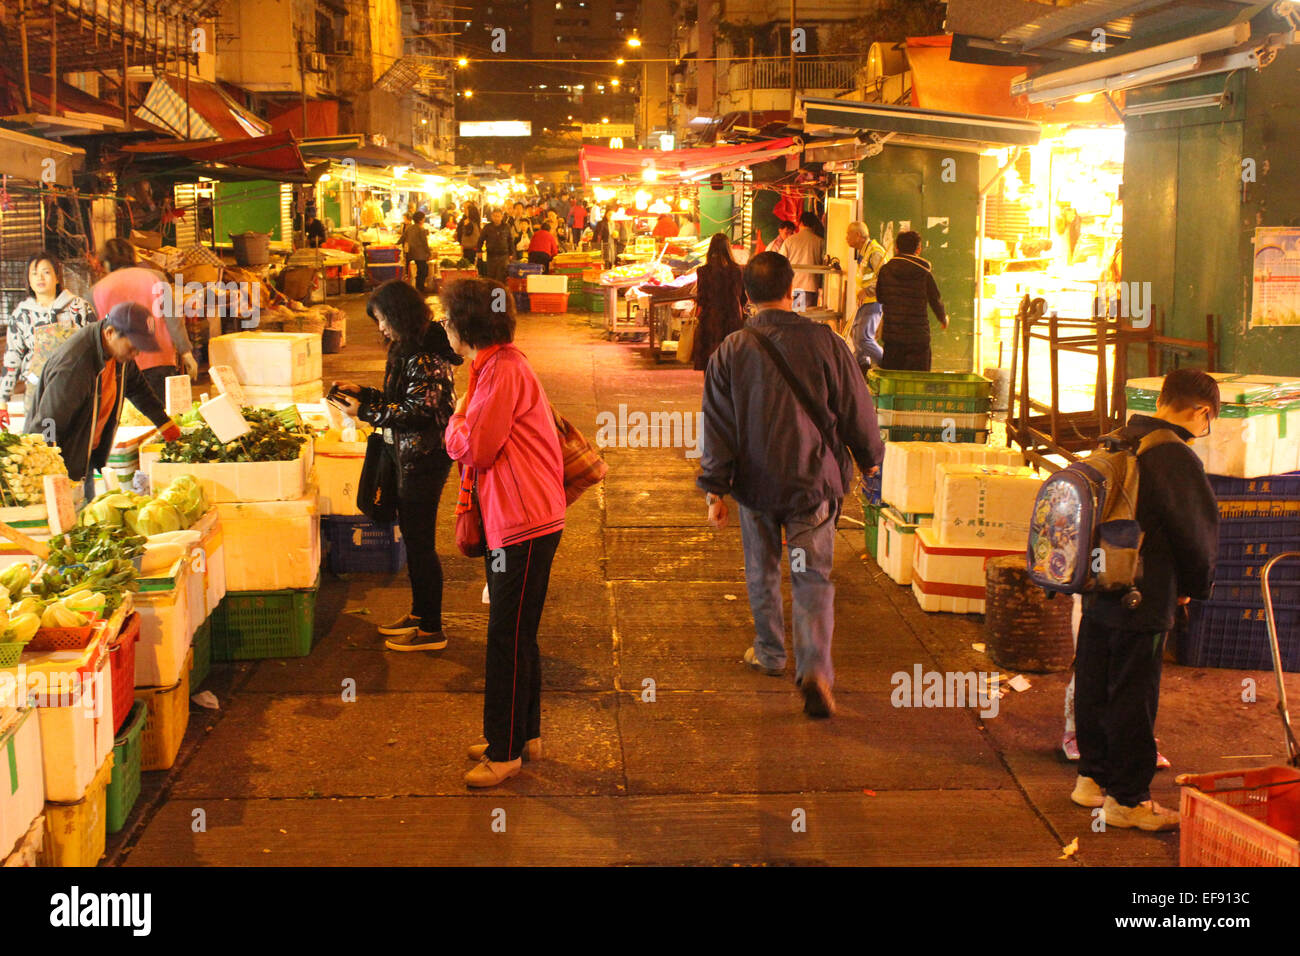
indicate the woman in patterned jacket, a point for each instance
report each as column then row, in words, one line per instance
column 38, row 326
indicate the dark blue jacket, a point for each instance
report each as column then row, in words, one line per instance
column 759, row 444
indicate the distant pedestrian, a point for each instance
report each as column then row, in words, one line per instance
column 543, row 247
column 863, row 332
column 415, row 241
column 504, row 436
column 784, row 230
column 496, row 241
column 521, row 231
column 720, row 298
column 806, row 247
column 467, row 232
column 665, row 227
column 904, row 287
column 786, row 414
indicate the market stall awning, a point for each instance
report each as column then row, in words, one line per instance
column 600, row 164
column 212, row 113
column 25, row 157
column 72, row 112
column 265, row 157
column 342, row 148
column 849, row 115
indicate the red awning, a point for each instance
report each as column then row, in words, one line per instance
column 600, row 164
column 277, row 154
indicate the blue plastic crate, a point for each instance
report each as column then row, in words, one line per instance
column 873, row 483
column 1248, row 570
column 521, row 301
column 1236, row 635
column 359, row 545
column 1255, row 550
column 1270, row 486
column 525, row 269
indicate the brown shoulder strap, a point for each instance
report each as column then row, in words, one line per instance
column 1153, row 439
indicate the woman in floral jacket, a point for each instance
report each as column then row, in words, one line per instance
column 38, row 326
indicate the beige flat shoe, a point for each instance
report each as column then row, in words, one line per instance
column 532, row 750
column 488, row 773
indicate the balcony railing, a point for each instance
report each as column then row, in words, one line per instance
column 775, row 75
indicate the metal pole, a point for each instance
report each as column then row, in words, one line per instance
column 185, row 43
column 792, row 79
column 126, row 100
column 27, row 78
column 54, row 61
column 302, row 75
column 751, row 82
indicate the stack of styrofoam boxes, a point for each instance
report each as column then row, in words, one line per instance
column 547, row 293
column 932, row 406
column 908, row 494
column 22, row 778
column 273, row 368
column 74, row 704
column 980, row 512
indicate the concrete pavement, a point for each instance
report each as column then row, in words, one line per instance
column 661, row 747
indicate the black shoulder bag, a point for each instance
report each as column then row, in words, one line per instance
column 814, row 411
column 377, row 487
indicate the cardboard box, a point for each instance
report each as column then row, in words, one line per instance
column 308, row 393
column 235, row 481
column 338, row 471
column 294, row 526
column 269, row 358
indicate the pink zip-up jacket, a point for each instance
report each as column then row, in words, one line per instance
column 508, row 434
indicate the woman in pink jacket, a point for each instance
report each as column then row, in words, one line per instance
column 503, row 434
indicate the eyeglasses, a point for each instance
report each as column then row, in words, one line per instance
column 1209, row 419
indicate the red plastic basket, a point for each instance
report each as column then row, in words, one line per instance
column 552, row 302
column 63, row 638
column 121, row 664
column 1240, row 818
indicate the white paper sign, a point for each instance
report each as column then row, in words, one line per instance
column 178, row 398
column 223, row 376
column 224, row 418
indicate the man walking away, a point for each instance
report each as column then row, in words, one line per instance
column 786, row 413
column 904, row 287
column 870, row 257
column 496, row 240
column 1120, row 649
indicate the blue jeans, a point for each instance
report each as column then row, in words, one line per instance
column 866, row 326
column 810, row 538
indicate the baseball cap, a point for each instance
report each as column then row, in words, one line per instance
column 135, row 322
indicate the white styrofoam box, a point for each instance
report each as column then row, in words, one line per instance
column 214, row 559
column 908, row 473
column 294, row 526
column 971, row 420
column 985, row 506
column 268, row 358
column 338, row 471
column 77, row 737
column 165, row 631
column 894, row 543
column 22, row 779
column 948, row 578
column 236, row 481
column 546, row 284
column 273, row 396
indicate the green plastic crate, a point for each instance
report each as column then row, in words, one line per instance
column 967, row 436
column 871, row 523
column 202, row 664
column 940, row 384
column 124, row 784
column 252, row 625
column 946, row 404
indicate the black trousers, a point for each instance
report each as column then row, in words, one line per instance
column 421, row 273
column 540, row 258
column 496, row 268
column 417, row 516
column 906, row 356
column 517, row 578
column 1116, row 693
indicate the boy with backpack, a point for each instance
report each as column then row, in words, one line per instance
column 1156, row 553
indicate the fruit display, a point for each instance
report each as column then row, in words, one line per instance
column 269, row 439
column 635, row 273
column 25, row 460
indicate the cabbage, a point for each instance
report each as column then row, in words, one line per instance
column 157, row 517
column 109, row 509
column 185, row 494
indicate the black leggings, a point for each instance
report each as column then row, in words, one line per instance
column 417, row 516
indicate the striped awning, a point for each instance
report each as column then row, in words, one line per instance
column 908, row 121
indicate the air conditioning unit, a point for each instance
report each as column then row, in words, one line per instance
column 343, row 47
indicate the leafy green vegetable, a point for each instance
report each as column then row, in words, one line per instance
column 269, row 439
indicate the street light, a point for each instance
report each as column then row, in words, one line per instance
column 469, row 94
column 462, row 62
column 634, row 41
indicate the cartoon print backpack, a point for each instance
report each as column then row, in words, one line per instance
column 1084, row 535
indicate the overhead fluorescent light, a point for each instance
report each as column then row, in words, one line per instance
column 1173, row 106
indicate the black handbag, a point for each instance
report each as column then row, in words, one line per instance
column 377, row 489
